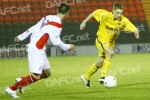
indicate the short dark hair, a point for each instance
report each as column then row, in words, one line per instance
column 117, row 6
column 63, row 8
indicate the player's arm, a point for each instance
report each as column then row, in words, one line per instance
column 54, row 35
column 96, row 14
column 136, row 33
column 63, row 46
column 129, row 27
column 29, row 31
column 56, row 41
column 22, row 36
column 83, row 24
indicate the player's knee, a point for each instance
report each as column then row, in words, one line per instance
column 36, row 76
column 48, row 75
column 111, row 54
column 99, row 64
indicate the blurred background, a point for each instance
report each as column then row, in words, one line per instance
column 16, row 16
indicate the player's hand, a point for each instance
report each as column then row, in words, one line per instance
column 72, row 47
column 136, row 33
column 82, row 25
column 16, row 39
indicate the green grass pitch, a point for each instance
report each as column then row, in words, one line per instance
column 131, row 70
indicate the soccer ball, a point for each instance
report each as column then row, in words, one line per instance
column 110, row 81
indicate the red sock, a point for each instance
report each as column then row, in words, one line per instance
column 24, row 82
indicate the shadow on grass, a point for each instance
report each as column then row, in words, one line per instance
column 78, row 92
column 120, row 86
column 97, row 91
column 133, row 84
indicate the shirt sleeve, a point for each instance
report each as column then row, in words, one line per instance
column 28, row 32
column 54, row 34
column 97, row 14
column 129, row 27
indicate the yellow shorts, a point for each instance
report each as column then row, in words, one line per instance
column 101, row 45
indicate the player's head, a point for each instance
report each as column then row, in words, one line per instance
column 63, row 9
column 117, row 10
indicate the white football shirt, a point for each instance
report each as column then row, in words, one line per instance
column 47, row 29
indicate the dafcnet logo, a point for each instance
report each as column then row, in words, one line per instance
column 15, row 10
column 53, row 3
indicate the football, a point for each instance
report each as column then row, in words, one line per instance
column 110, row 81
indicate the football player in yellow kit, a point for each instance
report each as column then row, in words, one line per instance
column 109, row 29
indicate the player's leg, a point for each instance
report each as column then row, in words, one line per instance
column 46, row 69
column 24, row 81
column 35, row 63
column 106, row 65
column 11, row 90
column 36, row 72
column 45, row 73
column 94, row 67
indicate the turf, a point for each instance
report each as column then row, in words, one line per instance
column 131, row 70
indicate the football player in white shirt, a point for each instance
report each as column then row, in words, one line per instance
column 47, row 29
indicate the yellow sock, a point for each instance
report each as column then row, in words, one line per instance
column 105, row 68
column 90, row 72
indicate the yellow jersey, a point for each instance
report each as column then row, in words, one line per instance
column 109, row 28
